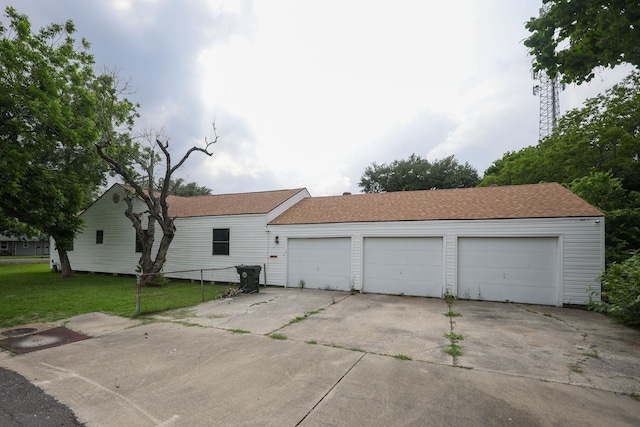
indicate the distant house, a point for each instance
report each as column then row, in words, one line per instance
column 537, row 244
column 21, row 246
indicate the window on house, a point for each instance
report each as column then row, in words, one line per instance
column 4, row 245
column 139, row 243
column 99, row 237
column 220, row 241
column 25, row 245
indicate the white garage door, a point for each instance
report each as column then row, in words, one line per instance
column 403, row 265
column 321, row 263
column 514, row 269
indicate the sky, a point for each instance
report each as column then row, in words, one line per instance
column 308, row 93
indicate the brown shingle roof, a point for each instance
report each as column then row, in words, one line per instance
column 229, row 204
column 518, row 201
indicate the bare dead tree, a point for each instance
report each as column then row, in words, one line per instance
column 132, row 162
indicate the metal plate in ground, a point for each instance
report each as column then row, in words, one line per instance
column 41, row 340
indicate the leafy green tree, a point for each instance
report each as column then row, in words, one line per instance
column 417, row 173
column 621, row 292
column 621, row 209
column 49, row 120
column 572, row 37
column 179, row 188
column 516, row 167
column 602, row 136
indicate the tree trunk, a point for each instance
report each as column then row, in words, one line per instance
column 65, row 265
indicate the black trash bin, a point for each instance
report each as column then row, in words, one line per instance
column 249, row 278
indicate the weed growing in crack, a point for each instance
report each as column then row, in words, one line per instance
column 313, row 342
column 239, row 331
column 297, row 319
column 574, row 367
column 402, row 357
column 449, row 298
column 278, row 336
column 454, row 350
column 593, row 354
column 454, row 336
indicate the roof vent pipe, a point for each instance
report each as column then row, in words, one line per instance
column 346, row 193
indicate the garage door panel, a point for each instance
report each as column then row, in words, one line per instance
column 403, row 265
column 515, row 269
column 321, row 263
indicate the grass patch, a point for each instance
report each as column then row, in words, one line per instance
column 278, row 336
column 32, row 293
column 545, row 314
column 357, row 349
column 297, row 319
column 239, row 331
column 452, row 313
column 574, row 367
column 454, row 336
column 313, row 342
column 593, row 354
column 402, row 357
column 453, row 349
column 312, row 312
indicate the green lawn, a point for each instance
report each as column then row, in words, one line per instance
column 32, row 293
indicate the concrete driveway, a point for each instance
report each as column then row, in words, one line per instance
column 343, row 360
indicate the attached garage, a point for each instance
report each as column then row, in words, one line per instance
column 323, row 263
column 403, row 265
column 515, row 269
column 537, row 244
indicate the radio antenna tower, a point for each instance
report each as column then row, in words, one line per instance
column 549, row 91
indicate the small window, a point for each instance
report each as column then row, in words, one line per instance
column 4, row 245
column 221, row 241
column 25, row 245
column 99, row 237
column 139, row 243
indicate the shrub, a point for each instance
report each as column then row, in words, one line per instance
column 621, row 292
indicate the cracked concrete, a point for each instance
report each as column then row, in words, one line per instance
column 518, row 357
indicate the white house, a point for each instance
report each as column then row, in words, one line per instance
column 530, row 243
column 213, row 232
column 538, row 244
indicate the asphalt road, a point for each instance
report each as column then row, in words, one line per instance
column 22, row 404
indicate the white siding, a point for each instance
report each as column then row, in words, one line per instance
column 517, row 269
column 580, row 251
column 192, row 246
column 403, row 266
column 322, row 263
column 117, row 252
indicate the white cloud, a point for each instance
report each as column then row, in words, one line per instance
column 307, row 94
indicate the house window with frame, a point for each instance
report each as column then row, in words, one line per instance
column 139, row 243
column 99, row 237
column 220, row 241
column 25, row 245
